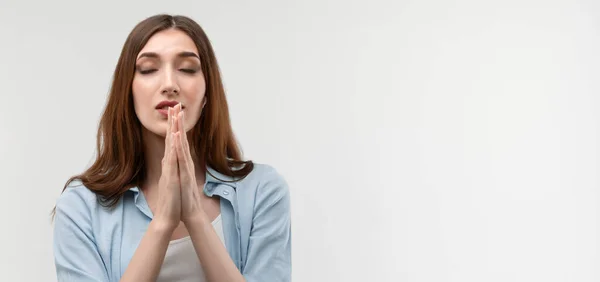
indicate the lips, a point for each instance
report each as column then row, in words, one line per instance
column 166, row 104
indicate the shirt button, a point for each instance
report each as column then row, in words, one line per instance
column 225, row 193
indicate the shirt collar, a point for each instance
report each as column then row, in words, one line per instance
column 211, row 176
column 213, row 179
column 218, row 178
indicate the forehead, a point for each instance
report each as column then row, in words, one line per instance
column 169, row 42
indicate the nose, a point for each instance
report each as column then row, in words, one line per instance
column 169, row 85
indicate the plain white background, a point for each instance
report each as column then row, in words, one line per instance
column 422, row 140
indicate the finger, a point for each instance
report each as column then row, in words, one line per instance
column 183, row 142
column 176, row 111
column 186, row 145
column 174, row 126
column 167, row 164
column 169, row 130
column 168, row 135
column 172, row 167
column 184, row 173
column 180, row 123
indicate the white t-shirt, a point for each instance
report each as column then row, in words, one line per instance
column 181, row 261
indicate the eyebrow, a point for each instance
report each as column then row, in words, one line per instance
column 184, row 54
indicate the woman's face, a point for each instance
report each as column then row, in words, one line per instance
column 168, row 68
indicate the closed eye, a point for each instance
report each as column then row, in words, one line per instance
column 147, row 71
column 190, row 71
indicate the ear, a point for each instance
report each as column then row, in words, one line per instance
column 204, row 103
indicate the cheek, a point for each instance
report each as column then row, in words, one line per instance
column 142, row 96
column 192, row 84
column 194, row 90
column 141, row 87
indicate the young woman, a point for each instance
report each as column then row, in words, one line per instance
column 169, row 197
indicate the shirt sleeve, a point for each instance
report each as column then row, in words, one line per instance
column 75, row 253
column 269, row 246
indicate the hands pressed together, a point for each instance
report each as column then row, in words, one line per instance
column 178, row 193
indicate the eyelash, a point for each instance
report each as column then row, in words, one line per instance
column 147, row 71
column 188, row 71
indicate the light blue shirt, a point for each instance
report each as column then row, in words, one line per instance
column 94, row 243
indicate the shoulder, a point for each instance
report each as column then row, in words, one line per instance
column 76, row 198
column 263, row 172
column 265, row 177
column 264, row 183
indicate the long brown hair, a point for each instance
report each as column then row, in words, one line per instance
column 120, row 162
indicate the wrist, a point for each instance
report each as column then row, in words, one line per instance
column 197, row 217
column 162, row 227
